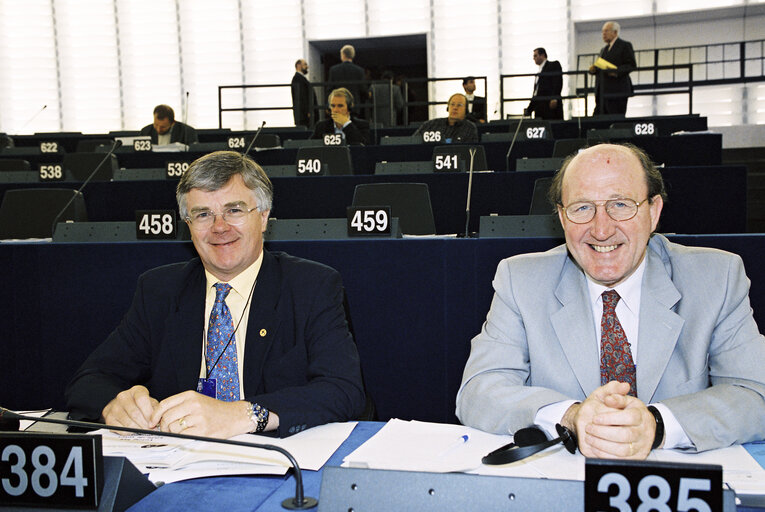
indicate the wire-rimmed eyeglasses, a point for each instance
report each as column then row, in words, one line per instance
column 620, row 209
column 232, row 215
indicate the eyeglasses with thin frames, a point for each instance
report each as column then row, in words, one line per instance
column 233, row 215
column 620, row 209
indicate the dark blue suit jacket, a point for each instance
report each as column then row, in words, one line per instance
column 300, row 360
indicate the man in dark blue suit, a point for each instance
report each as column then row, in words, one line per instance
column 613, row 86
column 276, row 325
column 548, row 84
column 348, row 75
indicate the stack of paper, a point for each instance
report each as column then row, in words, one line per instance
column 168, row 459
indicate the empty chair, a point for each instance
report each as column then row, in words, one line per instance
column 78, row 166
column 14, row 164
column 540, row 205
column 268, row 140
column 31, row 213
column 92, row 145
column 410, row 202
column 334, row 159
column 565, row 147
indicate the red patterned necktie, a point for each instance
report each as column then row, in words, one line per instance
column 221, row 355
column 615, row 356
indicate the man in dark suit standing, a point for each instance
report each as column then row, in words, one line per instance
column 548, row 82
column 302, row 93
column 237, row 340
column 347, row 74
column 613, row 86
column 476, row 106
column 166, row 130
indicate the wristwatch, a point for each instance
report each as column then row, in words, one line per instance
column 659, row 427
column 258, row 416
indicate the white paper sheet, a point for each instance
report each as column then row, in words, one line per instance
column 419, row 446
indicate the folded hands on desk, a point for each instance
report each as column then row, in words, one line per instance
column 188, row 412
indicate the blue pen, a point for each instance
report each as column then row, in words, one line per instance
column 456, row 444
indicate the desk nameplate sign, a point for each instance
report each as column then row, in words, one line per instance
column 155, row 225
column 333, row 139
column 51, row 172
column 49, row 147
column 176, row 169
column 629, row 486
column 51, row 470
column 368, row 221
column 141, row 145
column 311, row 167
column 431, row 136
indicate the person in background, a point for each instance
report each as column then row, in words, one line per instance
column 342, row 121
column 166, row 130
column 548, row 82
column 476, row 105
column 453, row 128
column 302, row 94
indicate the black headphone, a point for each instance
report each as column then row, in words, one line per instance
column 527, row 442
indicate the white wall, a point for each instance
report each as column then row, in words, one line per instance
column 100, row 65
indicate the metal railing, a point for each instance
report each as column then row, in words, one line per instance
column 321, row 87
column 710, row 64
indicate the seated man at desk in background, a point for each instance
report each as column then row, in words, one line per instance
column 676, row 363
column 238, row 340
column 354, row 131
column 166, row 130
column 454, row 128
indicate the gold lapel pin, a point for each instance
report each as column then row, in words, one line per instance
column 263, row 333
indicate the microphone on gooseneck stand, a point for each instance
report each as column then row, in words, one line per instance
column 186, row 109
column 117, row 143
column 512, row 143
column 299, row 502
column 257, row 133
column 469, row 192
column 32, row 118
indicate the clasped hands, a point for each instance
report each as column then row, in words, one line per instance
column 188, row 412
column 610, row 424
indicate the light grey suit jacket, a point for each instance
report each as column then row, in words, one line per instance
column 700, row 351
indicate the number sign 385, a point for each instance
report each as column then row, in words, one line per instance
column 641, row 486
column 50, row 469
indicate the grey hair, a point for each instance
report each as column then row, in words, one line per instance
column 212, row 171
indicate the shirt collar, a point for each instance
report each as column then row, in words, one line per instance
column 542, row 65
column 242, row 283
column 629, row 290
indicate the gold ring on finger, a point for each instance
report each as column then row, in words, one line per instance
column 182, row 423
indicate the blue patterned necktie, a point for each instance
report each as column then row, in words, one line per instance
column 219, row 331
column 615, row 355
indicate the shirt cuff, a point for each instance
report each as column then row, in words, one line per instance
column 547, row 416
column 674, row 435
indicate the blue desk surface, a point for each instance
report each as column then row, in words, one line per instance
column 266, row 493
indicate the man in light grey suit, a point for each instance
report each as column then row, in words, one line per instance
column 698, row 353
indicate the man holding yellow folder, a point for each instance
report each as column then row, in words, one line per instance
column 612, row 72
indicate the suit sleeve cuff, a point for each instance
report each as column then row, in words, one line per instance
column 674, row 435
column 547, row 416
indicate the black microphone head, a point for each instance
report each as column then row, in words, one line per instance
column 529, row 436
column 117, row 143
